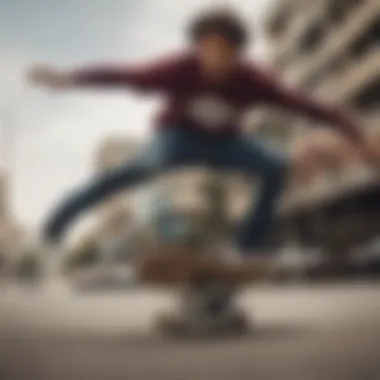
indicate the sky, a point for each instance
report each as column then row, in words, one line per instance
column 54, row 136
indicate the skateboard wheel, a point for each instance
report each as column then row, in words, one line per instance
column 240, row 323
column 171, row 324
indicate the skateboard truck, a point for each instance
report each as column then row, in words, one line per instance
column 207, row 288
column 204, row 311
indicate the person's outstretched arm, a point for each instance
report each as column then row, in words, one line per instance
column 274, row 92
column 155, row 76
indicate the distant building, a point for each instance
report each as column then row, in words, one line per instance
column 4, row 199
column 329, row 48
column 114, row 213
column 12, row 235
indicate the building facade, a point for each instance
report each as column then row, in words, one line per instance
column 12, row 235
column 114, row 214
column 330, row 48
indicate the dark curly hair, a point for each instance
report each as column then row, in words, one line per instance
column 225, row 22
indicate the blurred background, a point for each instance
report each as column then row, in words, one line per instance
column 327, row 226
column 51, row 143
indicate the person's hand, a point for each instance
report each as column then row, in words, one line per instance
column 50, row 77
column 305, row 166
column 369, row 150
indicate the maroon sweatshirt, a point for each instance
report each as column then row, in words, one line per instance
column 198, row 103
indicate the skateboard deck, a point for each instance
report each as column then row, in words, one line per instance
column 207, row 288
column 183, row 270
column 177, row 325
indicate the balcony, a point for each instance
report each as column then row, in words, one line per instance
column 299, row 27
column 340, row 39
column 358, row 76
column 327, row 188
column 341, row 87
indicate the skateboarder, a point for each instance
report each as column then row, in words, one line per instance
column 207, row 88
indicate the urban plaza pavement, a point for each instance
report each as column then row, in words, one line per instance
column 314, row 332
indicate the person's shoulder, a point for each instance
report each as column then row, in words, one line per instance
column 253, row 70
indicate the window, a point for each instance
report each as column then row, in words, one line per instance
column 366, row 41
column 312, row 38
column 339, row 9
column 336, row 11
column 279, row 23
column 369, row 98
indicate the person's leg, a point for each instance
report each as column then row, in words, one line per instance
column 270, row 167
column 169, row 149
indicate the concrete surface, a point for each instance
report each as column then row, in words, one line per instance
column 319, row 332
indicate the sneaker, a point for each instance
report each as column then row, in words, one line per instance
column 53, row 232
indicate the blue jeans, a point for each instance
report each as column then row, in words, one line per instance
column 174, row 149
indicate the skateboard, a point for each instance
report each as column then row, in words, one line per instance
column 207, row 288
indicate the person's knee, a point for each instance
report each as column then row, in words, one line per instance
column 115, row 180
column 161, row 160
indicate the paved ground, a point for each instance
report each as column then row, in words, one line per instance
column 302, row 333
